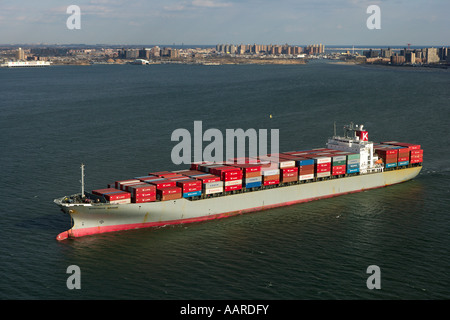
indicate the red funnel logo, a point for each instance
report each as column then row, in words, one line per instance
column 364, row 135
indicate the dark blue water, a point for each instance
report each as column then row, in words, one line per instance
column 118, row 120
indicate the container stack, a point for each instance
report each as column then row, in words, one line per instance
column 305, row 169
column 338, row 164
column 289, row 174
column 288, row 169
column 166, row 189
column 212, row 187
column 416, row 156
column 388, row 155
column 168, row 193
column 412, row 154
column 353, row 160
column 322, row 166
column 402, row 156
column 113, row 195
column 190, row 187
column 143, row 192
column 251, row 175
column 270, row 176
column 231, row 177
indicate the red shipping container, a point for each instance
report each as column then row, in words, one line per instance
column 160, row 173
column 323, row 165
column 271, row 177
column 172, row 176
column 416, row 156
column 249, row 167
column 189, row 183
column 339, row 168
column 400, row 159
column 208, row 179
column 271, row 182
column 231, row 178
column 418, row 151
column 143, row 187
column 173, row 196
column 253, row 174
column 289, row 170
column 117, row 196
column 416, row 160
column 168, row 190
column 218, row 170
column 231, row 188
column 386, row 151
column 410, row 146
column 231, row 173
column 320, row 170
column 103, row 191
column 289, row 179
column 142, row 200
column 163, row 183
column 289, row 175
column 149, row 178
column 192, row 189
column 144, row 194
column 191, row 172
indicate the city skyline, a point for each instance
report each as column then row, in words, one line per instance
column 208, row 22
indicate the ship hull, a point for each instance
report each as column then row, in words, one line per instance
column 90, row 219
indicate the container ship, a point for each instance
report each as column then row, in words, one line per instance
column 205, row 191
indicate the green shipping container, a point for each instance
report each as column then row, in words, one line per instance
column 339, row 163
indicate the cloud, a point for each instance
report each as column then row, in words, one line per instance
column 175, row 7
column 195, row 5
column 210, row 4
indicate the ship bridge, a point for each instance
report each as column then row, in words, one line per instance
column 356, row 140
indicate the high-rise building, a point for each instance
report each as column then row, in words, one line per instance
column 410, row 57
column 20, row 54
column 386, row 53
column 443, row 53
column 432, row 55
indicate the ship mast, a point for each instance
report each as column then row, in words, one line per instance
column 82, row 180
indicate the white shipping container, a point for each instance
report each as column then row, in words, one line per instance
column 215, row 184
column 271, row 172
column 287, row 164
column 306, row 176
column 121, row 201
column 233, row 183
column 323, row 174
column 323, row 160
column 214, row 190
column 254, row 179
column 353, row 161
column 339, row 158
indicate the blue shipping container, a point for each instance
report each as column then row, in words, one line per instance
column 391, row 165
column 192, row 194
column 353, row 166
column 253, row 184
column 353, row 170
column 403, row 163
column 304, row 162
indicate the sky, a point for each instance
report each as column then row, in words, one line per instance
column 210, row 22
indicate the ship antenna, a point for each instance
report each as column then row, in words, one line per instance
column 82, row 180
column 335, row 128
